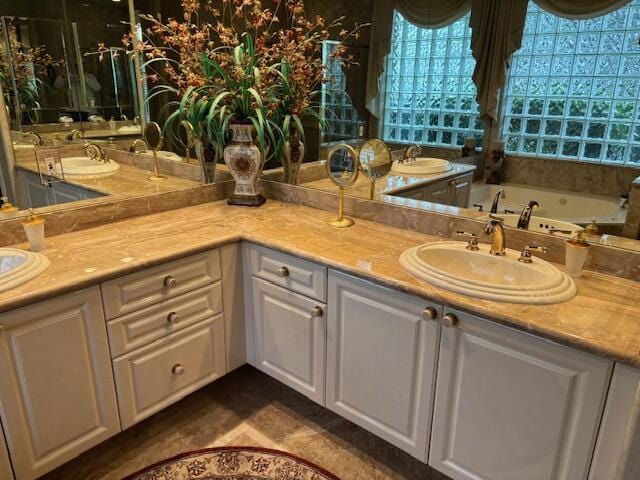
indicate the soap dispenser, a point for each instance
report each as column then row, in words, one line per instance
column 576, row 254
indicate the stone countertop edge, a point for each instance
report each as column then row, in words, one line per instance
column 511, row 317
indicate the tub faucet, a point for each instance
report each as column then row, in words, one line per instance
column 525, row 215
column 494, row 206
column 495, row 229
column 95, row 152
column 138, row 141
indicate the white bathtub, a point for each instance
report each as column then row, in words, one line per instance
column 569, row 207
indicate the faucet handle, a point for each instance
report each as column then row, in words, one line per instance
column 525, row 255
column 473, row 240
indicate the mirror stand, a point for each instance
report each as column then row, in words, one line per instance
column 156, row 177
column 341, row 221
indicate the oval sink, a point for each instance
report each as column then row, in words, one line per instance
column 422, row 166
column 129, row 129
column 85, row 167
column 537, row 224
column 173, row 157
column 451, row 266
column 18, row 267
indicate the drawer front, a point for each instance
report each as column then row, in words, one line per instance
column 153, row 377
column 140, row 328
column 153, row 285
column 292, row 273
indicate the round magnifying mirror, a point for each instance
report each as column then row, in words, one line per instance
column 153, row 136
column 375, row 159
column 342, row 165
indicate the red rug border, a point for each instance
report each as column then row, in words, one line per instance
column 272, row 451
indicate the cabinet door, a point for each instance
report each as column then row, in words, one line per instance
column 5, row 465
column 381, row 361
column 290, row 334
column 56, row 388
column 38, row 195
column 439, row 193
column 510, row 406
column 461, row 191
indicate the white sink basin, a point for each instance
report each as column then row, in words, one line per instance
column 422, row 166
column 173, row 157
column 22, row 146
column 538, row 224
column 85, row 167
column 451, row 266
column 18, row 267
column 129, row 129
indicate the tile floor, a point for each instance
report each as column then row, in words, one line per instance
column 248, row 408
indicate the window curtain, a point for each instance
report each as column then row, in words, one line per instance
column 578, row 9
column 422, row 13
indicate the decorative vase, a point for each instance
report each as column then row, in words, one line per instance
column 293, row 156
column 244, row 160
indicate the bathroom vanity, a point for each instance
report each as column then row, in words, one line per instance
column 474, row 388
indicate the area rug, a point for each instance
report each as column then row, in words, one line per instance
column 233, row 463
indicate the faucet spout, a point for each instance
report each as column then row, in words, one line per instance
column 138, row 141
column 525, row 215
column 496, row 199
column 495, row 229
column 96, row 152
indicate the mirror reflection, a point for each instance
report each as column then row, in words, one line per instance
column 558, row 152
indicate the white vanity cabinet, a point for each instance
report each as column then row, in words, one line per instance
column 454, row 191
column 510, row 406
column 56, row 387
column 289, row 320
column 5, row 464
column 382, row 349
column 39, row 195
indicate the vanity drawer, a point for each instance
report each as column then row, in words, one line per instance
column 292, row 273
column 153, row 285
column 153, row 377
column 139, row 328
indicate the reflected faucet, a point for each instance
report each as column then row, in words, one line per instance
column 412, row 152
column 74, row 133
column 37, row 140
column 496, row 200
column 525, row 216
column 95, row 152
column 495, row 229
column 134, row 146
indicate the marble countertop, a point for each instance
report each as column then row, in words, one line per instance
column 392, row 183
column 604, row 318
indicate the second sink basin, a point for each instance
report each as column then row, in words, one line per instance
column 451, row 266
column 85, row 167
column 422, row 166
column 19, row 266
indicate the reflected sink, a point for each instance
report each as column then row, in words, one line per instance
column 173, row 157
column 85, row 167
column 537, row 224
column 422, row 166
column 451, row 266
column 22, row 146
column 18, row 267
column 129, row 129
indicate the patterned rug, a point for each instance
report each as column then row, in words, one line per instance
column 233, row 463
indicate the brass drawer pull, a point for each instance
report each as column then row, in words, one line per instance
column 173, row 317
column 170, row 282
column 177, row 369
column 430, row 313
column 317, row 312
column 283, row 272
column 449, row 320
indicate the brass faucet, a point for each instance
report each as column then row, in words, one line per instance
column 495, row 229
column 525, row 215
column 95, row 152
column 496, row 200
column 73, row 133
column 411, row 153
column 134, row 145
column 37, row 140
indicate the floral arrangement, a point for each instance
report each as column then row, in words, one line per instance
column 28, row 64
column 237, row 61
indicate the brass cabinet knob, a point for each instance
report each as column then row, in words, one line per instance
column 430, row 313
column 317, row 312
column 283, row 272
column 173, row 317
column 170, row 282
column 449, row 320
column 177, row 369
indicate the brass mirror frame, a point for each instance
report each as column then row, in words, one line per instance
column 341, row 221
column 190, row 137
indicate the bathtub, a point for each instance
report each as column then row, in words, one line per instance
column 578, row 208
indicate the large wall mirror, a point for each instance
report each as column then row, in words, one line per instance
column 560, row 152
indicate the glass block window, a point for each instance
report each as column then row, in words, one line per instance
column 338, row 112
column 430, row 97
column 573, row 88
